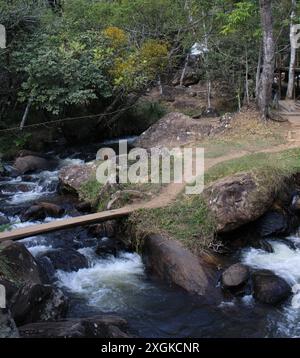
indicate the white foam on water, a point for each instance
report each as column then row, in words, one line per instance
column 39, row 249
column 70, row 161
column 44, row 184
column 109, row 284
column 248, row 300
column 16, row 223
column 284, row 262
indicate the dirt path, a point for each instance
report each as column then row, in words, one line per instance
column 166, row 196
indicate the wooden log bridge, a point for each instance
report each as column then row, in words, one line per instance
column 34, row 230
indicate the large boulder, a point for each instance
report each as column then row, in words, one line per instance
column 274, row 223
column 238, row 200
column 33, row 303
column 176, row 265
column 269, row 288
column 18, row 266
column 8, row 328
column 41, row 210
column 235, row 276
column 32, row 163
column 74, row 176
column 104, row 326
column 66, row 259
column 173, row 130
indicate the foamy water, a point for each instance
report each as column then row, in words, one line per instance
column 109, row 284
column 284, row 262
column 43, row 184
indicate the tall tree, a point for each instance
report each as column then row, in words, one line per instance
column 291, row 84
column 267, row 76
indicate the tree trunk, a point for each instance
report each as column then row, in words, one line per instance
column 247, row 97
column 291, row 84
column 267, row 76
column 258, row 71
column 25, row 115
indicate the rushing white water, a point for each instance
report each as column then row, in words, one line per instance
column 109, row 284
column 285, row 262
column 43, row 184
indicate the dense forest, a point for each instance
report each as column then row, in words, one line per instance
column 89, row 57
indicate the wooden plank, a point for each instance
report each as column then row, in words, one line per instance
column 65, row 224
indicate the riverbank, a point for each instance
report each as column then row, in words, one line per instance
column 178, row 253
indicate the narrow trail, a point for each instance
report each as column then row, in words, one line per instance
column 166, row 197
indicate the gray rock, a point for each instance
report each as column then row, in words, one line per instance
column 32, row 163
column 269, row 288
column 66, row 259
column 238, row 200
column 235, row 276
column 18, row 266
column 103, row 326
column 33, row 303
column 41, row 210
column 174, row 264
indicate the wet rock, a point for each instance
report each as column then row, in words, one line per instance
column 66, row 259
column 25, row 153
column 262, row 245
column 8, row 328
column 269, row 288
column 84, row 207
column 74, row 176
column 105, row 229
column 31, row 163
column 33, row 303
column 10, row 289
column 3, row 220
column 235, row 276
column 173, row 130
column 18, row 266
column 47, row 267
column 238, row 200
column 102, row 326
column 41, row 210
column 173, row 263
column 273, row 223
column 108, row 246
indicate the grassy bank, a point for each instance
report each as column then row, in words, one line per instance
column 189, row 219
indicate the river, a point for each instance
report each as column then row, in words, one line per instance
column 121, row 285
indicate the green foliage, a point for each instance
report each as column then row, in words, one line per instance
column 22, row 140
column 5, row 227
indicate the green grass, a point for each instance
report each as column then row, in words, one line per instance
column 188, row 220
column 89, row 190
column 215, row 148
column 5, row 227
column 272, row 164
